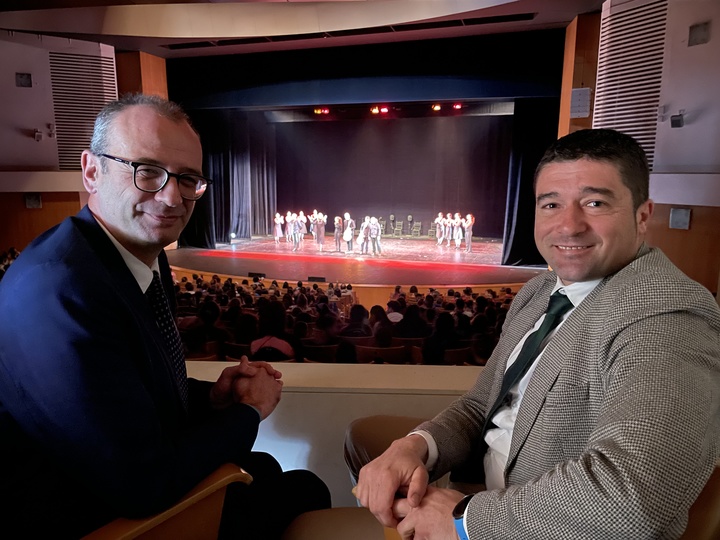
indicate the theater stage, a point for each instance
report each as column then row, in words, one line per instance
column 404, row 261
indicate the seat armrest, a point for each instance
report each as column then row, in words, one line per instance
column 203, row 504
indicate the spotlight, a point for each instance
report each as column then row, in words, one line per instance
column 384, row 109
column 323, row 110
column 457, row 106
column 375, row 109
column 232, row 235
column 436, row 107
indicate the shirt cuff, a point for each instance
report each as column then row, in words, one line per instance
column 432, row 448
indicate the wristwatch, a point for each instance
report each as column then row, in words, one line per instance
column 459, row 516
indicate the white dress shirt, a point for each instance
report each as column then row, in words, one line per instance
column 140, row 271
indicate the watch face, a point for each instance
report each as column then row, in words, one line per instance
column 460, row 508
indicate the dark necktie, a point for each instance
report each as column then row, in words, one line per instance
column 170, row 335
column 558, row 306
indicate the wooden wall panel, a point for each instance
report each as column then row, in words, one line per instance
column 20, row 225
column 582, row 40
column 695, row 251
column 141, row 72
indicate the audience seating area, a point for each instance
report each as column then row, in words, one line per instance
column 220, row 319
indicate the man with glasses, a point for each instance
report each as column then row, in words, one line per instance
column 97, row 416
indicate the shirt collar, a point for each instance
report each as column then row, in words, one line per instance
column 140, row 271
column 576, row 292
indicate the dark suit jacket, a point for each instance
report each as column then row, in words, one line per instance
column 89, row 411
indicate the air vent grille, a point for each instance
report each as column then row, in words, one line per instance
column 630, row 64
column 81, row 86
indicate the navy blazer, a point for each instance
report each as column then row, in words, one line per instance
column 91, row 423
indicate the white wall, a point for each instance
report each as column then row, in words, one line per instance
column 687, row 159
column 28, row 165
column 23, row 110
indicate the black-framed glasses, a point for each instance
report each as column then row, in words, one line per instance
column 152, row 178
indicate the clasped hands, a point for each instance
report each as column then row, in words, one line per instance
column 254, row 383
column 420, row 511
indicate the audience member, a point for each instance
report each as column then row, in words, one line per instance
column 357, row 325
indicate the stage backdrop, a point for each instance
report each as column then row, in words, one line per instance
column 410, row 166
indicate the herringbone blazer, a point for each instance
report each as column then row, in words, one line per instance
column 619, row 427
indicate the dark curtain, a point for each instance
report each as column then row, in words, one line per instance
column 534, row 129
column 238, row 152
column 400, row 167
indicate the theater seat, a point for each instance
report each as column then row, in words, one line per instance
column 704, row 517
column 195, row 517
column 352, row 523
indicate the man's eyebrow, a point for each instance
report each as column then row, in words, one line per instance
column 548, row 195
column 599, row 191
column 151, row 161
column 588, row 190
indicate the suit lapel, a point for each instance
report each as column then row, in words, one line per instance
column 554, row 358
column 126, row 287
column 518, row 326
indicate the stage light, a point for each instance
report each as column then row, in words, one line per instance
column 323, row 110
column 384, row 109
column 375, row 109
column 232, row 235
column 436, row 107
column 457, row 106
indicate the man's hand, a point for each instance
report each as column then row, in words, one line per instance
column 400, row 468
column 432, row 519
column 222, row 393
column 261, row 391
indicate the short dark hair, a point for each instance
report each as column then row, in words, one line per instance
column 607, row 145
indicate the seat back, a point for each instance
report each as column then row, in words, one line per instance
column 366, row 341
column 704, row 516
column 320, row 353
column 237, row 350
column 408, row 343
column 380, row 355
column 457, row 357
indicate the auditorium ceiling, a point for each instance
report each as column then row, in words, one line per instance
column 184, row 28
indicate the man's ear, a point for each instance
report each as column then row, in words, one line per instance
column 90, row 170
column 643, row 215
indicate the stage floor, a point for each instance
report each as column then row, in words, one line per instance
column 404, row 261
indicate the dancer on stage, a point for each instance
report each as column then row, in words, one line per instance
column 458, row 231
column 375, row 235
column 288, row 227
column 312, row 218
column 440, row 228
column 364, row 236
column 279, row 220
column 302, row 219
column 319, row 229
column 338, row 222
column 468, row 224
column 448, row 228
column 296, row 228
column 349, row 231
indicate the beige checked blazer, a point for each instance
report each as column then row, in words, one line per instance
column 619, row 427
